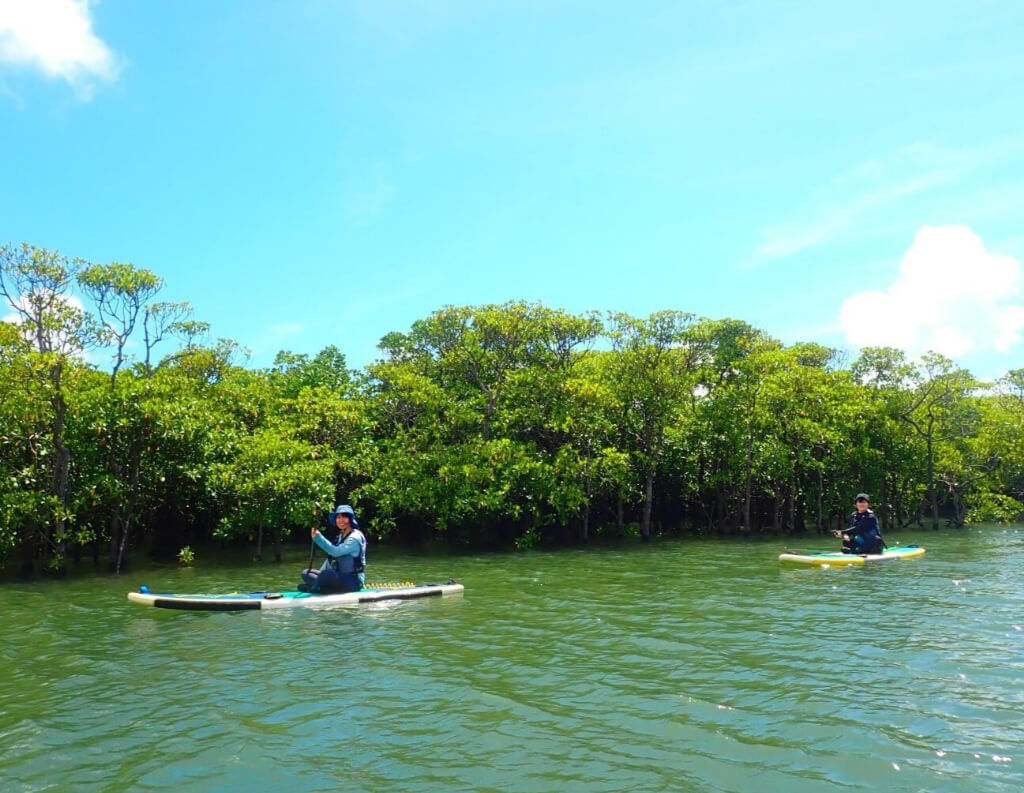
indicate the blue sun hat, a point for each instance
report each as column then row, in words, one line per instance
column 344, row 509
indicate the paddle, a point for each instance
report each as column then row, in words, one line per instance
column 318, row 511
column 838, row 533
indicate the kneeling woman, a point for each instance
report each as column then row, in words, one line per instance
column 864, row 536
column 346, row 561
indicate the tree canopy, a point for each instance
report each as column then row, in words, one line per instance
column 506, row 424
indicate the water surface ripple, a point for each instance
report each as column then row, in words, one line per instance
column 691, row 666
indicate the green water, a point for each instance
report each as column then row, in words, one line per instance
column 675, row 667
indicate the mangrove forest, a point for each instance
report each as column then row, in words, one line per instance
column 127, row 428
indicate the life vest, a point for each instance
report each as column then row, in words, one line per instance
column 868, row 537
column 358, row 562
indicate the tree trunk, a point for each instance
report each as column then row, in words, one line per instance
column 883, row 503
column 958, row 510
column 114, row 559
column 821, row 497
column 134, row 475
column 747, row 487
column 61, row 468
column 28, row 559
column 259, row 538
column 115, row 509
column 934, row 491
column 706, row 511
column 645, row 523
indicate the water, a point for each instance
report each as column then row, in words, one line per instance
column 685, row 666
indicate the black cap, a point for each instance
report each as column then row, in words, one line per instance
column 863, row 497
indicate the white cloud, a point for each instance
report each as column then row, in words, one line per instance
column 56, row 38
column 364, row 206
column 276, row 337
column 369, row 189
column 66, row 307
column 951, row 296
column 865, row 198
column 23, row 305
column 285, row 330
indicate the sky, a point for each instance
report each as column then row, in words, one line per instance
column 313, row 172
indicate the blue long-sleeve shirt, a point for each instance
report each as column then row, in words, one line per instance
column 864, row 525
column 343, row 556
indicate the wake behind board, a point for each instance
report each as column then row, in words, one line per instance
column 251, row 601
column 835, row 559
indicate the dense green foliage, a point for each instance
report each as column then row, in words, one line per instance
column 484, row 425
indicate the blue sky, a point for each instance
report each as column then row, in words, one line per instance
column 313, row 172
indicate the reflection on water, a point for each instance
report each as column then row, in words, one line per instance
column 683, row 666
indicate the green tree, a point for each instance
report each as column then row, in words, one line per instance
column 656, row 366
column 122, row 294
column 465, row 403
column 36, row 284
column 939, row 412
column 271, row 482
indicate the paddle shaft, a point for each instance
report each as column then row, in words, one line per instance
column 838, row 533
column 319, row 510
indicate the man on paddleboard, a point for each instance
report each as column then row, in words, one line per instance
column 863, row 535
column 343, row 571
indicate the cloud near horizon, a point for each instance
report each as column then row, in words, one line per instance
column 56, row 37
column 951, row 296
